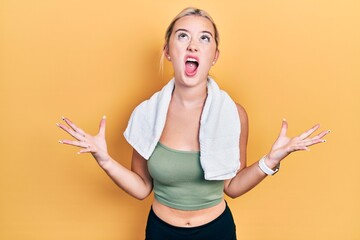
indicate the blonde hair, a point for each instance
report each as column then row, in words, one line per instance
column 190, row 11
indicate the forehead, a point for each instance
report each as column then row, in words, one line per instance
column 194, row 23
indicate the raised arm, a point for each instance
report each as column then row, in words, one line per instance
column 249, row 177
column 136, row 182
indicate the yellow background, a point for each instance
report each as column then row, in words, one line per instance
column 82, row 59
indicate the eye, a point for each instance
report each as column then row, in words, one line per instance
column 183, row 36
column 205, row 38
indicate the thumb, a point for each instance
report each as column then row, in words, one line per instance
column 284, row 128
column 102, row 126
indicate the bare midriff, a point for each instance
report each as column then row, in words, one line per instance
column 187, row 218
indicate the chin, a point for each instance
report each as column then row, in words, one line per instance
column 192, row 81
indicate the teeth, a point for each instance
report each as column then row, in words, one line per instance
column 191, row 59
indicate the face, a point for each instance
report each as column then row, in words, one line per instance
column 192, row 49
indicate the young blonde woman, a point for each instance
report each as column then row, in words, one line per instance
column 189, row 142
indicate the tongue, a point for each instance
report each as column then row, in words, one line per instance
column 190, row 68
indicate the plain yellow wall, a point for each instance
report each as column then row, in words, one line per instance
column 83, row 59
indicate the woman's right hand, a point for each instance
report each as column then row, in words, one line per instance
column 96, row 145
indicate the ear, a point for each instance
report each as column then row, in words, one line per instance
column 217, row 55
column 166, row 52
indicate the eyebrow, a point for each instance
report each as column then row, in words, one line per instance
column 184, row 30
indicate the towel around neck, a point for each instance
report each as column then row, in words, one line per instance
column 219, row 133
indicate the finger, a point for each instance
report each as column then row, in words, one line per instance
column 70, row 131
column 102, row 126
column 284, row 127
column 73, row 126
column 320, row 135
column 89, row 149
column 323, row 134
column 309, row 132
column 311, row 142
column 299, row 148
column 304, row 145
column 75, row 143
column 86, row 150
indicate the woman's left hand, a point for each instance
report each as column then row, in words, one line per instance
column 284, row 145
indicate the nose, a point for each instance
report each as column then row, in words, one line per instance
column 192, row 47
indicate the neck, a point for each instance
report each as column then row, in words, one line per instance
column 190, row 97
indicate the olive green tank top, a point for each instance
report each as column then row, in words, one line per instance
column 179, row 182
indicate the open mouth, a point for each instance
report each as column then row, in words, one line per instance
column 191, row 66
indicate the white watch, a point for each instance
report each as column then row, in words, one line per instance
column 266, row 169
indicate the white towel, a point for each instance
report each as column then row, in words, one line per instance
column 219, row 134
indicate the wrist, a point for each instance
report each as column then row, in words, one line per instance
column 268, row 166
column 271, row 163
column 104, row 162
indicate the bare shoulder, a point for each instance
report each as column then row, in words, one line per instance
column 242, row 114
column 244, row 125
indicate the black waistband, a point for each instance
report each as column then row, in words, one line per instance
column 226, row 213
column 221, row 228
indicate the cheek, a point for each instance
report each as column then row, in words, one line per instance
column 175, row 48
column 211, row 53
